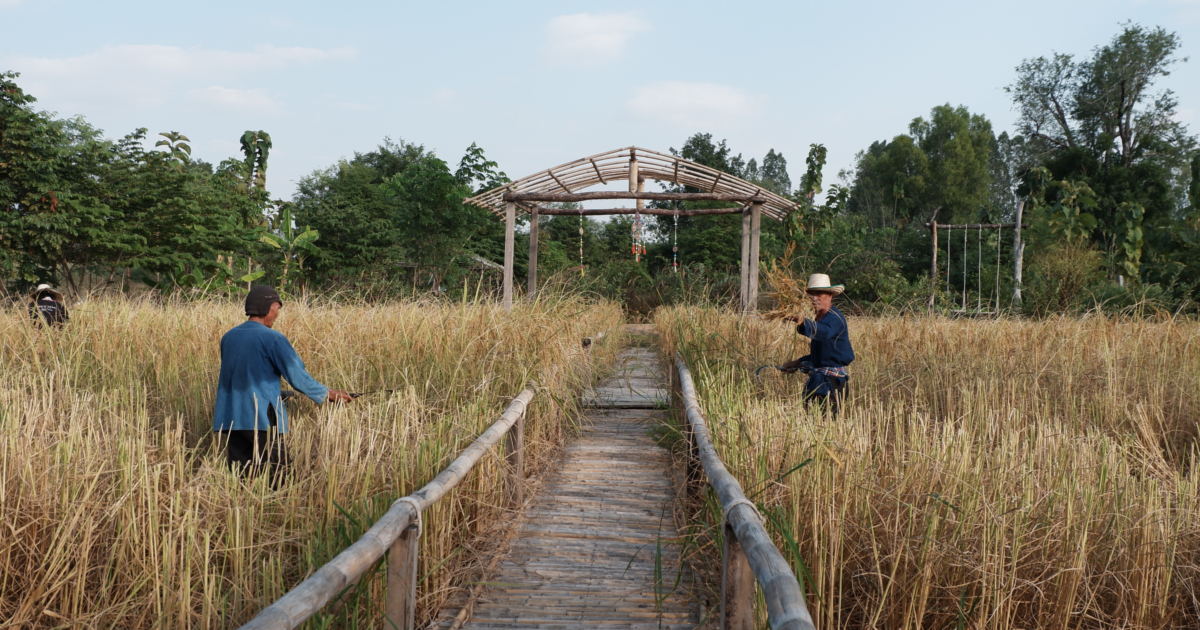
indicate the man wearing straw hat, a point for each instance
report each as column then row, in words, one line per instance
column 47, row 306
column 829, row 351
column 250, row 413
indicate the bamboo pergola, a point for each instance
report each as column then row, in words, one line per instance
column 634, row 165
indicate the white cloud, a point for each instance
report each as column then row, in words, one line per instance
column 142, row 76
column 694, row 104
column 590, row 39
column 253, row 100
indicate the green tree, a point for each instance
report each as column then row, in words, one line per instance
column 1103, row 123
column 434, row 225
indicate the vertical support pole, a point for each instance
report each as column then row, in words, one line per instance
column 510, row 226
column 633, row 171
column 1018, row 255
column 533, row 246
column 401, row 605
column 752, row 264
column 737, row 585
column 744, row 290
column 514, row 459
column 933, row 267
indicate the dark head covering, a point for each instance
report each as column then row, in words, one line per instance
column 260, row 299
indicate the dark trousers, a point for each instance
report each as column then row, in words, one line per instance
column 830, row 394
column 252, row 452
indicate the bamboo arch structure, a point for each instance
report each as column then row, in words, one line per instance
column 567, row 183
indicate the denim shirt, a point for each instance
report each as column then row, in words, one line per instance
column 253, row 358
column 830, row 345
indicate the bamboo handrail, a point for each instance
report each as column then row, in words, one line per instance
column 300, row 603
column 750, row 544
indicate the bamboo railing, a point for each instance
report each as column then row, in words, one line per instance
column 747, row 553
column 397, row 532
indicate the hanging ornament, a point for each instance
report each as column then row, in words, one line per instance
column 675, row 244
column 638, row 235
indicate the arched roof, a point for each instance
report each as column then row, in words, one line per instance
column 613, row 166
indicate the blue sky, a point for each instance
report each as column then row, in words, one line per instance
column 541, row 83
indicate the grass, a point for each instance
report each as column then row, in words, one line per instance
column 116, row 509
column 985, row 474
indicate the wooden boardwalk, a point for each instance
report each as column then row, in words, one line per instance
column 589, row 550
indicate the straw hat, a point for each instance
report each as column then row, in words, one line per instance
column 819, row 283
column 45, row 288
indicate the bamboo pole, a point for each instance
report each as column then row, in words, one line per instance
column 510, row 224
column 594, row 212
column 752, row 267
column 533, row 253
column 786, row 608
column 744, row 288
column 306, row 598
column 974, row 226
column 748, row 197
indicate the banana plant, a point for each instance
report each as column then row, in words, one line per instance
column 293, row 244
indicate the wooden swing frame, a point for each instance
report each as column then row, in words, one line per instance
column 1018, row 249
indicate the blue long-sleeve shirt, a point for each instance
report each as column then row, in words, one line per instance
column 830, row 346
column 253, row 358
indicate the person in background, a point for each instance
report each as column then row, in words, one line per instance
column 47, row 305
column 829, row 351
column 250, row 415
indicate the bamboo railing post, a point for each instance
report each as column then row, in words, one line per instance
column 745, row 286
column 401, row 606
column 752, row 263
column 510, row 223
column 514, row 459
column 747, row 541
column 737, row 585
column 533, row 252
column 318, row 589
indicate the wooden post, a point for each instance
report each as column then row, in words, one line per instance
column 752, row 266
column 533, row 245
column 401, row 605
column 737, row 585
column 510, row 225
column 1018, row 255
column 514, row 460
column 933, row 267
column 744, row 291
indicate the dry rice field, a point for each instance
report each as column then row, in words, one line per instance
column 117, row 511
column 995, row 474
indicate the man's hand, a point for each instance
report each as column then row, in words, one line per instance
column 795, row 319
column 337, row 395
column 790, row 367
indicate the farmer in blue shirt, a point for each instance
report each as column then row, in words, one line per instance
column 250, row 413
column 829, row 350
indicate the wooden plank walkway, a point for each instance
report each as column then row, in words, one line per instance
column 586, row 553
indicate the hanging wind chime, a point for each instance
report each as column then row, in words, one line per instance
column 637, row 184
column 581, row 270
column 675, row 243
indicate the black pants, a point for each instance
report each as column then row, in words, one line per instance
column 250, row 452
column 838, row 389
